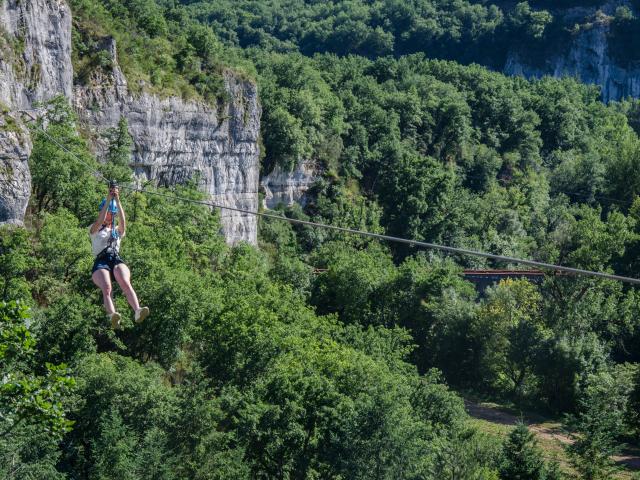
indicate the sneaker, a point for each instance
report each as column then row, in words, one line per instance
column 141, row 314
column 115, row 320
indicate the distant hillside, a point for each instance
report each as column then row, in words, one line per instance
column 594, row 40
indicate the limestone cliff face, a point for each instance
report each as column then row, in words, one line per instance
column 281, row 187
column 35, row 65
column 15, row 179
column 174, row 140
column 35, row 46
column 587, row 58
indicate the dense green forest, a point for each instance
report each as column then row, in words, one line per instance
column 254, row 366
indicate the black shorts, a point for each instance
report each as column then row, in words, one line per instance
column 107, row 261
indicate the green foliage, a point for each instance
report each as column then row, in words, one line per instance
column 628, row 262
column 59, row 179
column 466, row 453
column 564, row 120
column 510, row 329
column 33, row 401
column 302, row 117
column 310, row 404
column 624, row 35
column 158, row 45
column 319, row 417
column 587, row 240
column 599, row 422
column 505, row 220
column 528, row 22
column 251, row 365
column 278, row 238
column 15, row 261
column 582, row 175
column 522, row 459
column 417, row 193
column 352, row 281
column 369, row 28
column 633, row 412
column 26, row 397
column 121, row 420
column 63, row 243
column 566, row 362
column 29, row 453
column 631, row 109
column 422, row 297
column 8, row 123
column 71, row 326
column 173, row 247
column 119, row 150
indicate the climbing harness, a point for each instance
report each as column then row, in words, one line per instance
column 111, row 248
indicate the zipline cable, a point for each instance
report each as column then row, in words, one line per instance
column 389, row 238
column 433, row 246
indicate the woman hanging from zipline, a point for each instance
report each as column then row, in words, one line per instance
column 105, row 242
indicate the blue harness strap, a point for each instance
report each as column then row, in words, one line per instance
column 113, row 209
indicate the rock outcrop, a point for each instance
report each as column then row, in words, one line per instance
column 281, row 187
column 35, row 51
column 15, row 179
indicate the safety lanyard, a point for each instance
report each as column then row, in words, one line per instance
column 114, row 233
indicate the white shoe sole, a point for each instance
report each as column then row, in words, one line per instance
column 115, row 320
column 142, row 314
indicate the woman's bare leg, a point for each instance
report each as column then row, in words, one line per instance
column 102, row 279
column 123, row 277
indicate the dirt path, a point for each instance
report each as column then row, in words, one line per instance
column 545, row 431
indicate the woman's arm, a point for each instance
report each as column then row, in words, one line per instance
column 101, row 216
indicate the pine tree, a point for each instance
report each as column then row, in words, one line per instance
column 522, row 459
column 634, row 405
column 552, row 471
column 598, row 424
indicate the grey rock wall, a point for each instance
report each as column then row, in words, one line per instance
column 35, row 47
column 15, row 179
column 35, row 65
column 287, row 188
